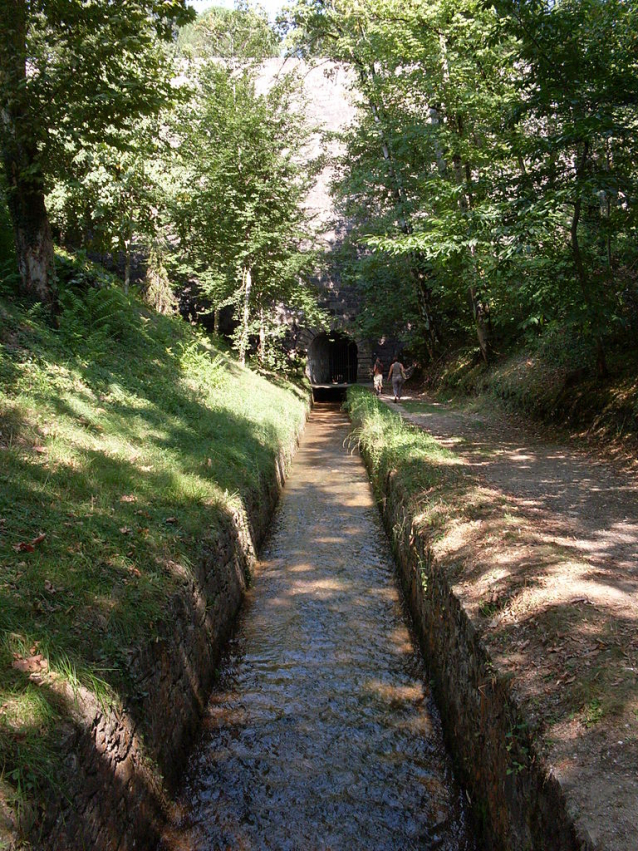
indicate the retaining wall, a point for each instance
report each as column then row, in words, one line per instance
column 517, row 802
column 122, row 761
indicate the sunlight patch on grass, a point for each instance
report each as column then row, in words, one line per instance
column 393, row 447
column 127, row 456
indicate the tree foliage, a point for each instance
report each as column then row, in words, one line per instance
column 110, row 197
column 495, row 151
column 240, row 33
column 489, row 180
column 71, row 73
column 239, row 199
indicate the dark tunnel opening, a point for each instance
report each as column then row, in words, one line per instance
column 332, row 360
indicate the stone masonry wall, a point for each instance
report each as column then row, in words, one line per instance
column 122, row 760
column 517, row 803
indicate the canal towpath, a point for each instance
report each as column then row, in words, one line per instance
column 546, row 560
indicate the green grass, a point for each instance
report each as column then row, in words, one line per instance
column 424, row 469
column 128, row 442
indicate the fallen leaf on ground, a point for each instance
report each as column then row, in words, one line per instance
column 129, row 497
column 171, row 520
column 126, row 530
column 24, row 547
column 31, row 664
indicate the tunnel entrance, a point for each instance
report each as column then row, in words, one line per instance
column 332, row 360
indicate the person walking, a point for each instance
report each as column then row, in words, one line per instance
column 377, row 371
column 397, row 377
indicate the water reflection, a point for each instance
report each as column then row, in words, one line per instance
column 320, row 734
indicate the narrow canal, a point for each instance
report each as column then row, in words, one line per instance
column 321, row 733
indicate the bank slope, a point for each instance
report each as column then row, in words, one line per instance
column 138, row 471
column 507, row 715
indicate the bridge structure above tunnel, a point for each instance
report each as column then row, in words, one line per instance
column 337, row 356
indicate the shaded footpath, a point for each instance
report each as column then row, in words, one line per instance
column 544, row 555
column 322, row 733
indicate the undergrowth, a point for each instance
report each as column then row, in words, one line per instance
column 553, row 379
column 126, row 442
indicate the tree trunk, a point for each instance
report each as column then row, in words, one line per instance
column 463, row 178
column 424, row 300
column 578, row 259
column 25, row 185
column 480, row 310
column 243, row 344
column 601, row 359
column 33, row 240
column 262, row 339
column 482, row 322
column 127, row 266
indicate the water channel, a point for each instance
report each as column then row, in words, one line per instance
column 321, row 734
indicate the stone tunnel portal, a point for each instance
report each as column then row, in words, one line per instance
column 332, row 359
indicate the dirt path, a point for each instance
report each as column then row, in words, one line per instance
column 321, row 734
column 545, row 546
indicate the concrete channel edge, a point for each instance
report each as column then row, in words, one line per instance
column 517, row 801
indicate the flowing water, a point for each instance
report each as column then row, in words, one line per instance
column 321, row 733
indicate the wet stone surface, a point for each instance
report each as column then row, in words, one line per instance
column 320, row 733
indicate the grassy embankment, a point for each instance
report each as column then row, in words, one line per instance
column 428, row 473
column 125, row 443
column 553, row 380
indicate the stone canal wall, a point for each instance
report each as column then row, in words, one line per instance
column 123, row 760
column 517, row 803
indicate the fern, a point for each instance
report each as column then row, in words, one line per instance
column 198, row 365
column 96, row 316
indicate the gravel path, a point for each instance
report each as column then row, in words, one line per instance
column 591, row 503
column 545, row 545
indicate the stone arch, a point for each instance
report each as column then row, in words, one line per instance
column 335, row 357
